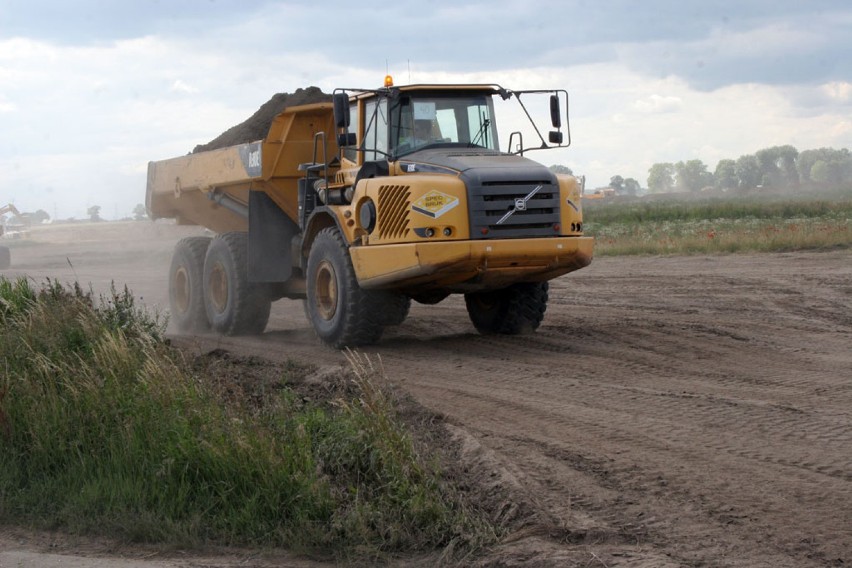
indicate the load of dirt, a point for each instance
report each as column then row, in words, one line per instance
column 257, row 125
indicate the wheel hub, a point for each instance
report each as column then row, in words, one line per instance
column 181, row 290
column 326, row 290
column 218, row 287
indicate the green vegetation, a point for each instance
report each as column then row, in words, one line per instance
column 714, row 225
column 106, row 429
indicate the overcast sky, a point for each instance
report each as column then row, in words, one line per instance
column 91, row 90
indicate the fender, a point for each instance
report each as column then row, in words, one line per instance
column 320, row 218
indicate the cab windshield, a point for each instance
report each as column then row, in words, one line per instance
column 420, row 121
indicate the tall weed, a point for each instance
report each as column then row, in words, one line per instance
column 105, row 429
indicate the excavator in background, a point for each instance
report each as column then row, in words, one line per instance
column 5, row 253
column 360, row 205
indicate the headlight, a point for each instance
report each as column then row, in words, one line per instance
column 367, row 215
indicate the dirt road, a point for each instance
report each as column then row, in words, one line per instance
column 682, row 411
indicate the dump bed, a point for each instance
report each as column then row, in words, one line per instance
column 193, row 188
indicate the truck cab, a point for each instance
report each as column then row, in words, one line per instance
column 429, row 204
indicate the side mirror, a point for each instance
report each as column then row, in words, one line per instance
column 555, row 114
column 555, row 137
column 341, row 110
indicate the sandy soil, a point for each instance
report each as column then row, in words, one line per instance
column 678, row 411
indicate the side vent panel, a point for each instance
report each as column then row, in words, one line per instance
column 394, row 207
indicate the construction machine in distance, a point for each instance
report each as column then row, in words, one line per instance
column 360, row 205
column 5, row 253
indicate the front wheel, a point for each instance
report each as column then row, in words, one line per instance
column 340, row 311
column 510, row 311
column 393, row 307
column 234, row 305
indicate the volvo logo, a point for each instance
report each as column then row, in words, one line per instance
column 520, row 204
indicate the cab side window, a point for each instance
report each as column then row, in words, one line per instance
column 376, row 136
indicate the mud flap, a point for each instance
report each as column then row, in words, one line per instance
column 269, row 236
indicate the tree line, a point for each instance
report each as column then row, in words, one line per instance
column 41, row 216
column 778, row 167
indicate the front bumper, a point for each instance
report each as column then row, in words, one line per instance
column 469, row 266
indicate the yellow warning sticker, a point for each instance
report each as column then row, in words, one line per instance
column 434, row 204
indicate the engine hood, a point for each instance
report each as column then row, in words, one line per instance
column 461, row 160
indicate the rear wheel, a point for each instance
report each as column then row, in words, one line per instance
column 341, row 312
column 233, row 305
column 514, row 310
column 186, row 291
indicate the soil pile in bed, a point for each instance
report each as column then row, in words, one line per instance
column 257, row 125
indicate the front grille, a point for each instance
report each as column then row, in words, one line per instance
column 394, row 205
column 490, row 202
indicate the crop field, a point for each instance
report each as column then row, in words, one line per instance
column 693, row 225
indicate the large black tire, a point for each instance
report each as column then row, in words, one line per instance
column 5, row 258
column 511, row 311
column 340, row 311
column 234, row 306
column 392, row 307
column 186, row 289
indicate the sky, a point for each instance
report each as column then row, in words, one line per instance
column 92, row 90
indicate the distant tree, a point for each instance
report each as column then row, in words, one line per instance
column 832, row 171
column 616, row 182
column 661, row 178
column 94, row 213
column 778, row 166
column 139, row 212
column 787, row 164
column 692, row 175
column 560, row 169
column 748, row 171
column 836, row 168
column 725, row 176
column 41, row 216
column 767, row 162
column 631, row 186
column 821, row 172
column 806, row 161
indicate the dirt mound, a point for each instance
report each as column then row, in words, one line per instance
column 257, row 125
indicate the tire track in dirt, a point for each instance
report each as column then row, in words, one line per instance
column 733, row 390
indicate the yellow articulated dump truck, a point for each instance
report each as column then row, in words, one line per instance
column 362, row 204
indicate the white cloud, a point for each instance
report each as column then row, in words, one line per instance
column 656, row 104
column 840, row 91
column 180, row 87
